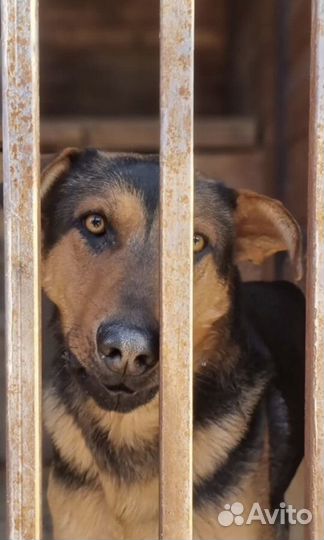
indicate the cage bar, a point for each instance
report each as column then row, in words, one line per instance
column 315, row 283
column 22, row 288
column 176, row 155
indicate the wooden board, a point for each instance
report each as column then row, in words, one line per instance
column 237, row 169
column 102, row 56
column 142, row 133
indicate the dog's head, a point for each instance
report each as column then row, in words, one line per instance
column 100, row 226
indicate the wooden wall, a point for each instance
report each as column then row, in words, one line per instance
column 254, row 72
column 102, row 56
column 270, row 78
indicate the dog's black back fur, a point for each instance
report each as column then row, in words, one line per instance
column 276, row 311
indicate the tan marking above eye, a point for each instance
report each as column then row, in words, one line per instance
column 199, row 243
column 95, row 224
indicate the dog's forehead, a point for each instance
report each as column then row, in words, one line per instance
column 97, row 173
column 214, row 196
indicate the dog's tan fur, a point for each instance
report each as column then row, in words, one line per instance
column 124, row 508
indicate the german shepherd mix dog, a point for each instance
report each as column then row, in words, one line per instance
column 101, row 270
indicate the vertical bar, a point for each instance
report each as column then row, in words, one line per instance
column 21, row 215
column 315, row 283
column 176, row 80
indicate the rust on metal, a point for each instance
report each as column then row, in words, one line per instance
column 22, row 288
column 176, row 155
column 315, row 283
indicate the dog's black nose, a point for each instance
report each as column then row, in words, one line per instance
column 127, row 350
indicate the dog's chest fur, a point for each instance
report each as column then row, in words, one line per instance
column 111, row 455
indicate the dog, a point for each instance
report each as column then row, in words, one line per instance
column 100, row 265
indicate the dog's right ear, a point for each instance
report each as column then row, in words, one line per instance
column 56, row 166
column 265, row 227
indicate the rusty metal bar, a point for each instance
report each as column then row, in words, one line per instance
column 21, row 215
column 176, row 155
column 315, row 284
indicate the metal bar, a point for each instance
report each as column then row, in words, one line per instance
column 315, row 284
column 176, row 157
column 21, row 215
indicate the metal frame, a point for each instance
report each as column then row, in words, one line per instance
column 315, row 283
column 22, row 241
column 22, row 288
column 176, row 155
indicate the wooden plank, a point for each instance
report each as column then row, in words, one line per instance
column 57, row 134
column 237, row 169
column 297, row 113
column 122, row 37
column 142, row 133
column 300, row 18
column 296, row 185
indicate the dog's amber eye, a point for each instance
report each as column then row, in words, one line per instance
column 199, row 243
column 96, row 224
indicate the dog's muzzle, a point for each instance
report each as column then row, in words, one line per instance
column 124, row 374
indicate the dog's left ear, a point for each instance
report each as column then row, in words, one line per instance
column 56, row 166
column 265, row 227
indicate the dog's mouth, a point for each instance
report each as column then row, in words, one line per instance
column 119, row 389
column 114, row 395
